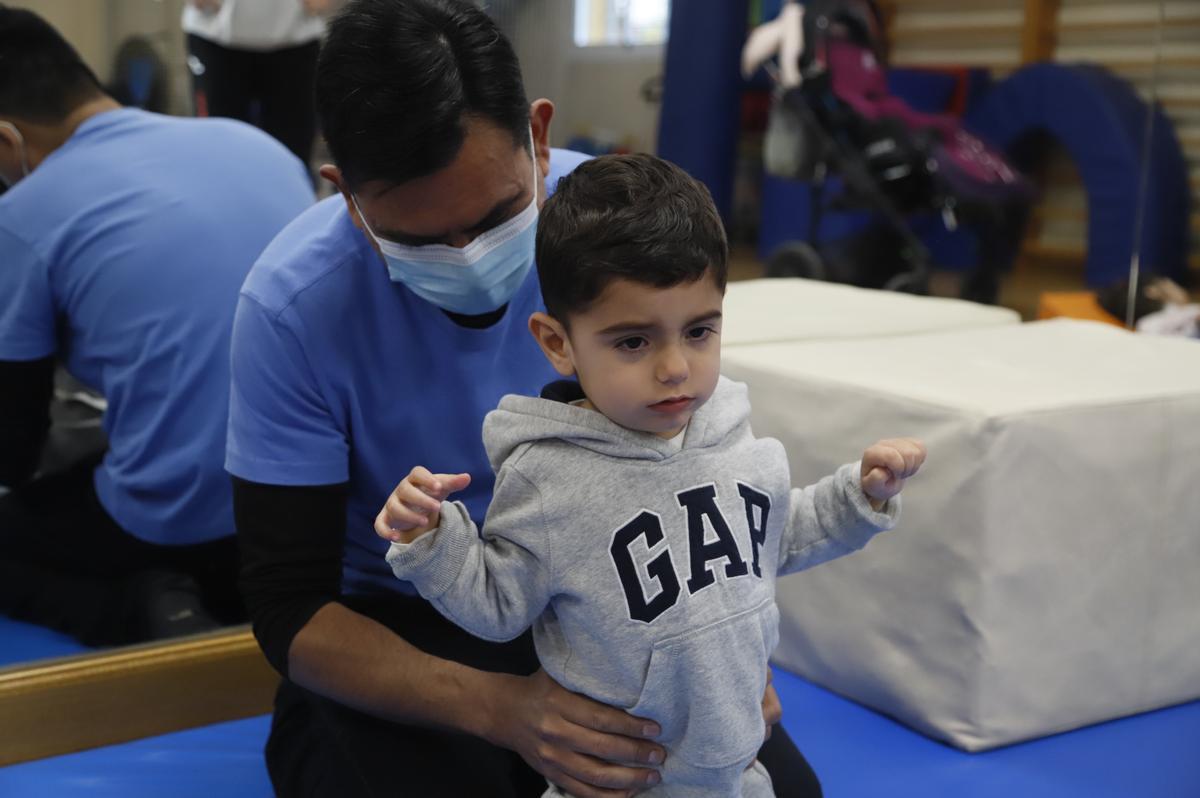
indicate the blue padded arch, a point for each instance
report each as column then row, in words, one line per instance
column 1100, row 120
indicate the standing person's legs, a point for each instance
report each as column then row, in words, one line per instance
column 286, row 80
column 221, row 79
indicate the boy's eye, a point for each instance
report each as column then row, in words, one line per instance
column 700, row 333
column 632, row 344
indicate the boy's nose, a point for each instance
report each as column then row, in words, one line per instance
column 672, row 367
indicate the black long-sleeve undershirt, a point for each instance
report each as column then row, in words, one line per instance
column 26, row 388
column 291, row 546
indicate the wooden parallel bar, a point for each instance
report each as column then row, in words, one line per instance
column 81, row 702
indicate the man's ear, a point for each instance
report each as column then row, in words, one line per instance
column 552, row 338
column 334, row 175
column 540, row 113
column 10, row 153
column 8, row 139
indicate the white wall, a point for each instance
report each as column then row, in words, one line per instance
column 597, row 91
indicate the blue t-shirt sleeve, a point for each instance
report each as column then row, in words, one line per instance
column 281, row 430
column 26, row 302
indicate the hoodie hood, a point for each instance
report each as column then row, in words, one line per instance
column 525, row 419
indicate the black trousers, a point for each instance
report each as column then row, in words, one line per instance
column 320, row 748
column 271, row 89
column 66, row 564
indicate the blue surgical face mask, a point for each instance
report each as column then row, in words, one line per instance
column 475, row 279
column 24, row 158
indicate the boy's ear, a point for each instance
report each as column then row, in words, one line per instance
column 552, row 338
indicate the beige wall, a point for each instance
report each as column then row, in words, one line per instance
column 597, row 90
column 158, row 21
column 84, row 23
column 96, row 29
column 602, row 98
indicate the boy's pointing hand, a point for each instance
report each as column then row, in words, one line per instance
column 414, row 507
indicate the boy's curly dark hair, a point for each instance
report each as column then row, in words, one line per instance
column 632, row 217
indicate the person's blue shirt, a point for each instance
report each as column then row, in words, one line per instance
column 341, row 375
column 122, row 253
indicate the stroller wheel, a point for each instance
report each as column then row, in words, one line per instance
column 796, row 259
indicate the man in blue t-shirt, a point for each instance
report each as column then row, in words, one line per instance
column 375, row 333
column 124, row 239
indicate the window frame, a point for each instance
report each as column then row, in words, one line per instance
column 610, row 46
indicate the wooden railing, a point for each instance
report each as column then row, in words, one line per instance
column 81, row 702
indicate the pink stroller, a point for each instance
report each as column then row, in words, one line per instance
column 834, row 116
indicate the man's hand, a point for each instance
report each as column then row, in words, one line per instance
column 414, row 508
column 572, row 740
column 207, row 6
column 885, row 466
column 772, row 709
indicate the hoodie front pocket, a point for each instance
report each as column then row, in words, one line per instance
column 705, row 688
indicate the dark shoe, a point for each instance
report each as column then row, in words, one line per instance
column 169, row 604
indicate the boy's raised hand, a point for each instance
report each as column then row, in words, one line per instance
column 885, row 466
column 414, row 507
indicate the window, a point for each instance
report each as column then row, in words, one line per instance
column 621, row 22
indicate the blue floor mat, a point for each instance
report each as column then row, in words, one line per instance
column 223, row 760
column 24, row 642
column 856, row 752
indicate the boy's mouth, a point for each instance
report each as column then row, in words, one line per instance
column 672, row 404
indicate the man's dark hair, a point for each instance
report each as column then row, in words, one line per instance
column 632, row 217
column 397, row 80
column 42, row 77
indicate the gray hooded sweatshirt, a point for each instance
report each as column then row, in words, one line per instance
column 647, row 572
